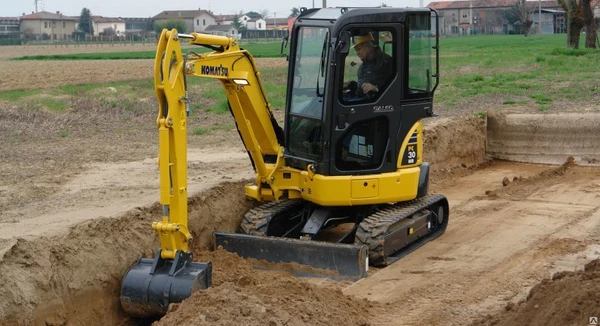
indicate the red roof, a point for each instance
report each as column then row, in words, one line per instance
column 465, row 4
column 181, row 14
column 46, row 15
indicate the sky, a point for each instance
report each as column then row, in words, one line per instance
column 149, row 8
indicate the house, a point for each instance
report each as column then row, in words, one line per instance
column 223, row 30
column 554, row 21
column 257, row 24
column 277, row 23
column 9, row 27
column 290, row 22
column 47, row 25
column 483, row 16
column 195, row 20
column 137, row 25
column 107, row 25
column 228, row 19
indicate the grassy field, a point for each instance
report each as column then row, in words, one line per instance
column 518, row 69
column 477, row 73
column 258, row 50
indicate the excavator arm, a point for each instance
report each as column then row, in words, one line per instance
column 152, row 284
column 236, row 69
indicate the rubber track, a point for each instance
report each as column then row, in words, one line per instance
column 373, row 229
column 257, row 220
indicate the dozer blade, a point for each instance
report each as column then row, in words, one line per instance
column 152, row 284
column 325, row 259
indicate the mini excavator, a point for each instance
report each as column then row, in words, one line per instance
column 342, row 186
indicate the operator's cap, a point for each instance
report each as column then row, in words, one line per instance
column 363, row 39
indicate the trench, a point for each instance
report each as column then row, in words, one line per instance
column 75, row 278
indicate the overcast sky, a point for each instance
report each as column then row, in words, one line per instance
column 149, row 8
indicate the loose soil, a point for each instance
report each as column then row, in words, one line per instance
column 34, row 74
column 76, row 210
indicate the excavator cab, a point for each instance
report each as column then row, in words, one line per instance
column 331, row 123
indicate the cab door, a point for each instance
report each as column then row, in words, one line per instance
column 365, row 123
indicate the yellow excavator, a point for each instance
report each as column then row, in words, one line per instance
column 342, row 185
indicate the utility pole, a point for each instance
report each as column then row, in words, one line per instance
column 324, row 3
column 471, row 17
column 540, row 19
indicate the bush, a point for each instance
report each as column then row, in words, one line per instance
column 178, row 24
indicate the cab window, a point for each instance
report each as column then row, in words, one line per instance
column 369, row 66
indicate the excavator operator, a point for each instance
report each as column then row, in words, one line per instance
column 374, row 70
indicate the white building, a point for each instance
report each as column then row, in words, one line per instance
column 195, row 20
column 257, row 24
column 103, row 24
column 228, row 19
column 223, row 30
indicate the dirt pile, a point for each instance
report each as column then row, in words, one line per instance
column 243, row 296
column 519, row 187
column 75, row 277
column 568, row 298
column 454, row 142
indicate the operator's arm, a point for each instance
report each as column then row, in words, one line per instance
column 376, row 75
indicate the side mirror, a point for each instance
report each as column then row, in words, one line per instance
column 344, row 42
column 284, row 42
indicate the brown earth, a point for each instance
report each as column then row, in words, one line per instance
column 568, row 298
column 54, row 73
column 76, row 208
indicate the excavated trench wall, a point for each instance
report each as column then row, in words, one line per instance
column 544, row 138
column 75, row 278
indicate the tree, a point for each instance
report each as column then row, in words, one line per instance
column 521, row 10
column 295, row 12
column 264, row 13
column 591, row 35
column 109, row 32
column 237, row 23
column 178, row 24
column 253, row 15
column 85, row 21
column 580, row 14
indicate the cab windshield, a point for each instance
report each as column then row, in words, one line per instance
column 306, row 104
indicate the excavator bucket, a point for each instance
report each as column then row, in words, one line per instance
column 152, row 284
column 316, row 258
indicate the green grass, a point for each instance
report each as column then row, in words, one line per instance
column 481, row 114
column 498, row 70
column 199, row 131
column 92, row 56
column 13, row 96
column 509, row 66
column 216, row 94
column 129, row 87
column 64, row 133
column 265, row 50
column 53, row 104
